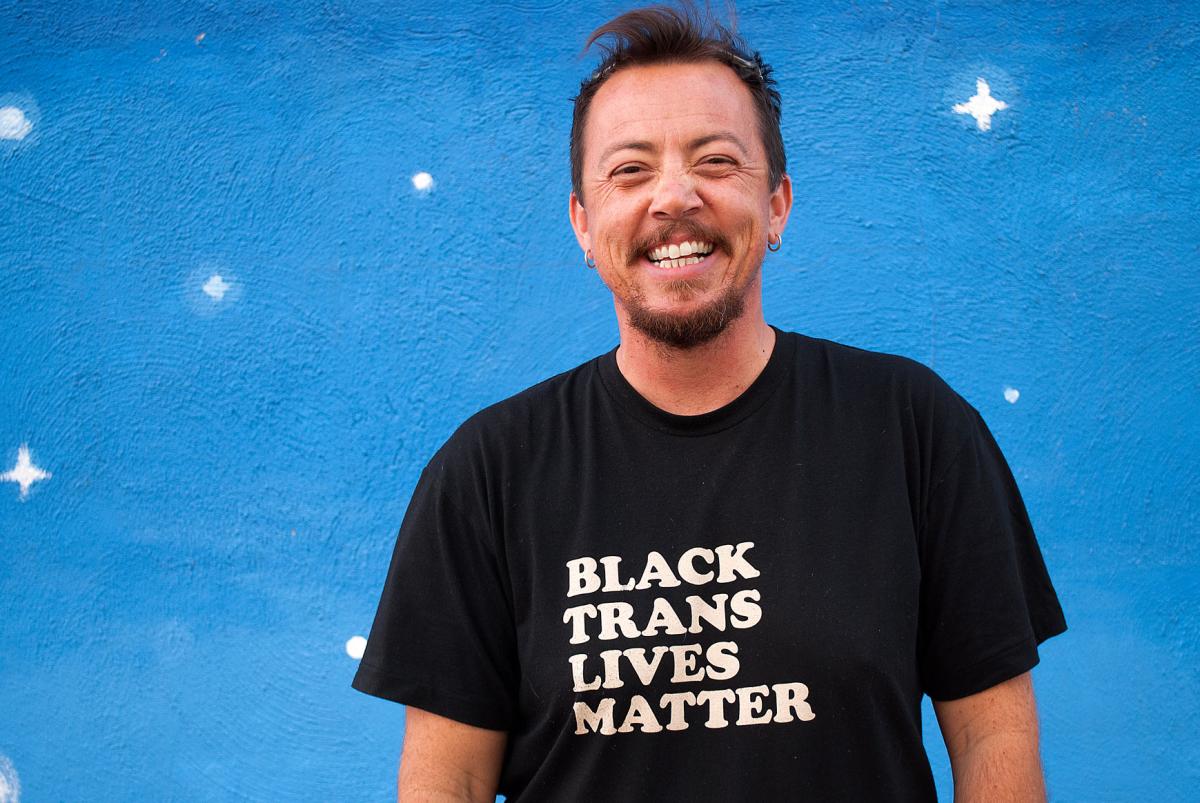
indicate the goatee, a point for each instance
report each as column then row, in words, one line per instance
column 692, row 329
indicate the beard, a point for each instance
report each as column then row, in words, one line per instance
column 699, row 326
column 688, row 330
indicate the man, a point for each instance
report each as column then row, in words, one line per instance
column 721, row 562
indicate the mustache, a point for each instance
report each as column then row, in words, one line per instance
column 691, row 231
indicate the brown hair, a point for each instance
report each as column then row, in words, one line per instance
column 661, row 34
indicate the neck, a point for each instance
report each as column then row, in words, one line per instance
column 701, row 379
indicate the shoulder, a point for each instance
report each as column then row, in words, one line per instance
column 852, row 362
column 862, row 386
column 517, row 424
column 531, row 409
column 874, row 371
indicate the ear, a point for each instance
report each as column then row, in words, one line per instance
column 579, row 222
column 781, row 204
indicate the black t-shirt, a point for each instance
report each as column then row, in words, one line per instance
column 742, row 605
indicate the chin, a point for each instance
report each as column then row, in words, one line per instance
column 690, row 329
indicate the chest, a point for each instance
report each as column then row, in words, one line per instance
column 709, row 581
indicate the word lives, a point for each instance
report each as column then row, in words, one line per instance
column 676, row 665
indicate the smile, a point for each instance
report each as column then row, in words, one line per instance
column 679, row 255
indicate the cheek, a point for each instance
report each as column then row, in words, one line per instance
column 611, row 236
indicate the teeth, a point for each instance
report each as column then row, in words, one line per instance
column 673, row 252
column 678, row 263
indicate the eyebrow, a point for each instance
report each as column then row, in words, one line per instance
column 699, row 142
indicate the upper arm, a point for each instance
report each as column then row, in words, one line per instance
column 1006, row 709
column 447, row 760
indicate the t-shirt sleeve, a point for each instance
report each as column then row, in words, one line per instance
column 986, row 597
column 443, row 636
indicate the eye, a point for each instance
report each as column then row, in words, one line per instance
column 627, row 170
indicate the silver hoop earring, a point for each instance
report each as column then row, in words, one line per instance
column 587, row 259
column 777, row 244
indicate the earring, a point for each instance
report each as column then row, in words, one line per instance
column 587, row 259
column 775, row 246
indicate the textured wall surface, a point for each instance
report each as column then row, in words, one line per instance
column 256, row 266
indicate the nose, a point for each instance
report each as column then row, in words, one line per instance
column 675, row 196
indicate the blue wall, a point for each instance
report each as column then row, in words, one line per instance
column 229, row 458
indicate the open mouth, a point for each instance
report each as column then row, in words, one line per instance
column 678, row 255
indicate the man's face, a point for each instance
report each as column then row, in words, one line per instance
column 673, row 164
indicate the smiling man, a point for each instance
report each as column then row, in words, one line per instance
column 722, row 561
column 681, row 201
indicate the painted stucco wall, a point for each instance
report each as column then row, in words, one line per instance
column 255, row 266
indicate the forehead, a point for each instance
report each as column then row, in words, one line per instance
column 662, row 102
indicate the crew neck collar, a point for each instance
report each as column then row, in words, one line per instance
column 724, row 417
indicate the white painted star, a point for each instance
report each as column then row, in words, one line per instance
column 982, row 105
column 422, row 182
column 216, row 287
column 13, row 123
column 10, row 784
column 355, row 647
column 1011, row 395
column 24, row 473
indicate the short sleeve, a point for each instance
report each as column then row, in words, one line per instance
column 443, row 636
column 986, row 598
